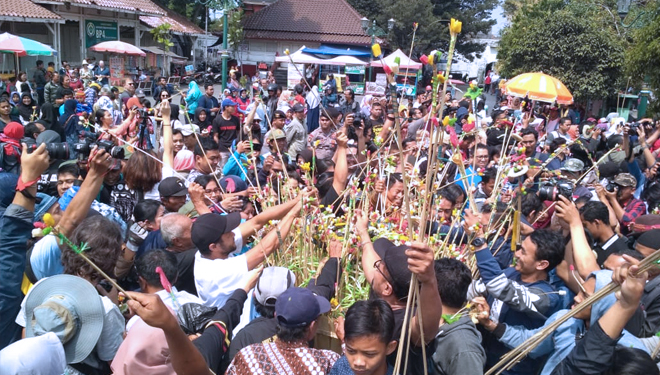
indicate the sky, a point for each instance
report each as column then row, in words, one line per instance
column 498, row 15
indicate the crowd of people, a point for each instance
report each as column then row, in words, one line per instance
column 144, row 238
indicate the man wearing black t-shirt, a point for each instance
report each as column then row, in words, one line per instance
column 596, row 219
column 225, row 129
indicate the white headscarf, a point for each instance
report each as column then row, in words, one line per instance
column 313, row 99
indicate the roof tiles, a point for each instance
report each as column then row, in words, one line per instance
column 25, row 9
column 307, row 20
column 145, row 6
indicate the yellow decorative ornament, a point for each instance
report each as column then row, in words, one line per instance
column 455, row 27
column 432, row 57
column 286, row 52
column 375, row 49
column 48, row 220
column 445, row 121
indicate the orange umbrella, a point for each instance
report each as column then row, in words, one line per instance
column 539, row 86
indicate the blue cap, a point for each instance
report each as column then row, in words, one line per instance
column 227, row 102
column 45, row 203
column 298, row 307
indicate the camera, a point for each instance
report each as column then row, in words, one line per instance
column 56, row 151
column 610, row 186
column 85, row 146
column 553, row 189
column 143, row 112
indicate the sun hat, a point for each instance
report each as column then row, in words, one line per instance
column 70, row 307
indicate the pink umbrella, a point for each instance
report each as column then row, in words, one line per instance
column 117, row 47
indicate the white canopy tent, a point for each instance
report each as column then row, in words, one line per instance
column 300, row 57
column 405, row 62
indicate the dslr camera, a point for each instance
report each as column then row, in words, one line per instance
column 89, row 140
column 551, row 190
column 611, row 186
column 56, row 151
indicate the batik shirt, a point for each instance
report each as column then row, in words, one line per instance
column 282, row 358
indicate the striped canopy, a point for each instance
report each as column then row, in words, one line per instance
column 10, row 43
column 539, row 86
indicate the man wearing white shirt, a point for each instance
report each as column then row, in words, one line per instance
column 216, row 274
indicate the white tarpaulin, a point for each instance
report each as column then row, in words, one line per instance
column 405, row 62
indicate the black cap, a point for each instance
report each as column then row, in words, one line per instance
column 172, row 187
column 298, row 108
column 396, row 262
column 279, row 114
column 208, row 228
column 298, row 307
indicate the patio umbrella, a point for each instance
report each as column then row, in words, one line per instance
column 118, row 47
column 10, row 43
column 539, row 86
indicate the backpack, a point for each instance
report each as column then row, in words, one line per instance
column 10, row 155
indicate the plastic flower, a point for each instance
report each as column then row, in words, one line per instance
column 286, row 51
column 375, row 49
column 424, row 59
column 48, row 220
column 455, row 27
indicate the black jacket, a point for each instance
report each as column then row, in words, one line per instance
column 592, row 355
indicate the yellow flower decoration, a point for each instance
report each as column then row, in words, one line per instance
column 455, row 27
column 375, row 49
column 305, row 167
column 286, row 52
column 334, row 303
column 445, row 121
column 48, row 220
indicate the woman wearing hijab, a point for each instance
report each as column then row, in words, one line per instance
column 27, row 108
column 194, row 93
column 202, row 118
column 15, row 98
column 365, row 105
column 69, row 123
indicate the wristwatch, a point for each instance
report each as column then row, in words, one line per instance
column 478, row 242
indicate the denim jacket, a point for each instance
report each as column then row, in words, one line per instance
column 15, row 230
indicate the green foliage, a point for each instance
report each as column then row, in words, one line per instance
column 570, row 42
column 432, row 16
column 162, row 35
column 642, row 58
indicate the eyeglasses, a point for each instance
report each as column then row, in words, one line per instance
column 165, row 96
column 213, row 191
column 377, row 267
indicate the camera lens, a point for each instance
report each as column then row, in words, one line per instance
column 58, row 151
column 117, row 152
column 547, row 193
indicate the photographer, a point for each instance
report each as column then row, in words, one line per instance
column 621, row 200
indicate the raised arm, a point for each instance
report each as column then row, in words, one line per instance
column 255, row 224
column 369, row 256
column 583, row 258
column 77, row 210
column 421, row 263
column 271, row 241
column 168, row 142
column 340, row 178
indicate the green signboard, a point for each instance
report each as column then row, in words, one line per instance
column 99, row 31
column 354, row 69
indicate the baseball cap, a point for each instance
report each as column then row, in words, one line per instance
column 172, row 187
column 139, row 93
column 625, row 180
column 275, row 134
column 272, row 283
column 573, row 165
column 208, row 228
column 233, row 184
column 650, row 239
column 298, row 108
column 396, row 263
column 298, row 307
column 279, row 114
column 228, row 102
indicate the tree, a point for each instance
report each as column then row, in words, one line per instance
column 433, row 18
column 642, row 58
column 571, row 42
column 162, row 35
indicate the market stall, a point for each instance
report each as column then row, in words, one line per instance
column 123, row 61
column 406, row 79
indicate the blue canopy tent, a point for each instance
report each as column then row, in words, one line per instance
column 334, row 51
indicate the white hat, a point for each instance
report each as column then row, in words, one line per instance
column 42, row 355
column 187, row 129
column 70, row 307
